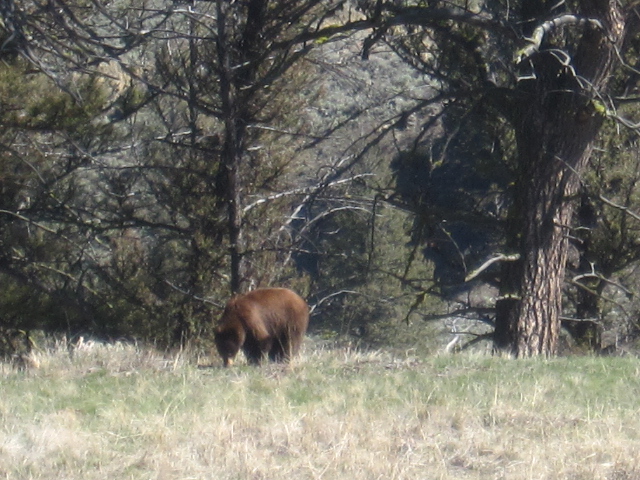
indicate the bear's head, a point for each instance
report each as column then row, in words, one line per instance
column 228, row 342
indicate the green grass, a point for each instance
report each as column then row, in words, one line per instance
column 125, row 413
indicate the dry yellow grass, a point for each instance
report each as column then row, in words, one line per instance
column 123, row 412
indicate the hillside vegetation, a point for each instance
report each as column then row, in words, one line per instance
column 124, row 412
column 389, row 160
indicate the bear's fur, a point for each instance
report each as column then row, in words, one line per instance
column 268, row 322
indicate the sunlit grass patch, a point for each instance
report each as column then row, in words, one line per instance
column 129, row 412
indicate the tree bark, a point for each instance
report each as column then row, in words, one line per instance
column 231, row 149
column 556, row 125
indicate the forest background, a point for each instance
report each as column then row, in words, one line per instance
column 157, row 156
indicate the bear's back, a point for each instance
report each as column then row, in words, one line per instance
column 274, row 306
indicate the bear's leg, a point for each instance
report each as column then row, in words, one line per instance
column 281, row 349
column 276, row 354
column 256, row 350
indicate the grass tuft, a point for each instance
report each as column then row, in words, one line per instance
column 119, row 411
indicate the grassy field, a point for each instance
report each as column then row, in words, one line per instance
column 119, row 412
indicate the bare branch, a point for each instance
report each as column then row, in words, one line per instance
column 559, row 22
column 451, row 345
column 329, row 297
column 30, row 222
column 302, row 191
column 481, row 312
column 478, row 339
column 431, row 16
column 195, row 297
column 575, row 281
column 622, row 208
column 606, row 299
column 500, row 258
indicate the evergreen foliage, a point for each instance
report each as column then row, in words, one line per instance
column 157, row 156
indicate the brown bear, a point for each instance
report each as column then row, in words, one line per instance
column 268, row 322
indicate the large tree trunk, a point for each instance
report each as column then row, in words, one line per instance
column 531, row 299
column 556, row 125
column 239, row 55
